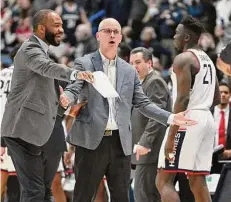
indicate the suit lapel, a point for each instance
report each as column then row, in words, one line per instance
column 34, row 39
column 119, row 74
column 97, row 61
column 147, row 78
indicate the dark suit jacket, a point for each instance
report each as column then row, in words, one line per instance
column 217, row 167
column 32, row 104
column 56, row 142
column 228, row 132
column 148, row 132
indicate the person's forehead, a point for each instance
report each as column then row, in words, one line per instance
column 224, row 88
column 54, row 18
column 137, row 56
column 111, row 25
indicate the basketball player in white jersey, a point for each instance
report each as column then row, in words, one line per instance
column 7, row 167
column 195, row 88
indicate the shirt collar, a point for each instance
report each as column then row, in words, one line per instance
column 43, row 44
column 225, row 109
column 107, row 61
column 141, row 81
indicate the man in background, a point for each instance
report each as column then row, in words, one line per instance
column 147, row 133
column 222, row 117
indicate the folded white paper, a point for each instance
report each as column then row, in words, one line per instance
column 103, row 85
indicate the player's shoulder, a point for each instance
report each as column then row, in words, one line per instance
column 185, row 56
column 190, row 57
column 6, row 71
column 182, row 59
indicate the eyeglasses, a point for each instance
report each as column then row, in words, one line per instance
column 109, row 31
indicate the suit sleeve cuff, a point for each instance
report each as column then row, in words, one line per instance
column 170, row 119
column 73, row 76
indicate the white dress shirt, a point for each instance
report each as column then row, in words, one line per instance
column 110, row 70
column 217, row 118
column 109, row 67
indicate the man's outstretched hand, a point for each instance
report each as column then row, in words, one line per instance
column 181, row 120
column 63, row 99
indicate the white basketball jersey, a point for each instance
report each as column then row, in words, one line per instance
column 5, row 83
column 203, row 88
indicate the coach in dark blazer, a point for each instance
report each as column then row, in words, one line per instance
column 225, row 92
column 102, row 131
column 147, row 134
column 31, row 109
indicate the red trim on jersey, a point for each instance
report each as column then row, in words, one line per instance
column 182, row 129
column 9, row 173
column 12, row 173
column 3, row 170
column 196, row 60
column 188, row 172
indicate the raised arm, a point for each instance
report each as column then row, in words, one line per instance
column 72, row 91
column 152, row 111
column 148, row 109
column 38, row 62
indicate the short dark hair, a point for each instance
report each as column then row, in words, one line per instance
column 147, row 55
column 193, row 25
column 225, row 84
column 40, row 17
column 124, row 50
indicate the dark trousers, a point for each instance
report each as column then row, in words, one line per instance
column 35, row 168
column 145, row 189
column 13, row 189
column 107, row 159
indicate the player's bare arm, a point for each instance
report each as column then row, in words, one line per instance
column 224, row 67
column 184, row 66
column 217, row 97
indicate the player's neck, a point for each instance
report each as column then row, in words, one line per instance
column 223, row 106
column 190, row 46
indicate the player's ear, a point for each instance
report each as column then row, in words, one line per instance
column 187, row 37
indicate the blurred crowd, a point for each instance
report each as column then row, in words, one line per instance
column 147, row 23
